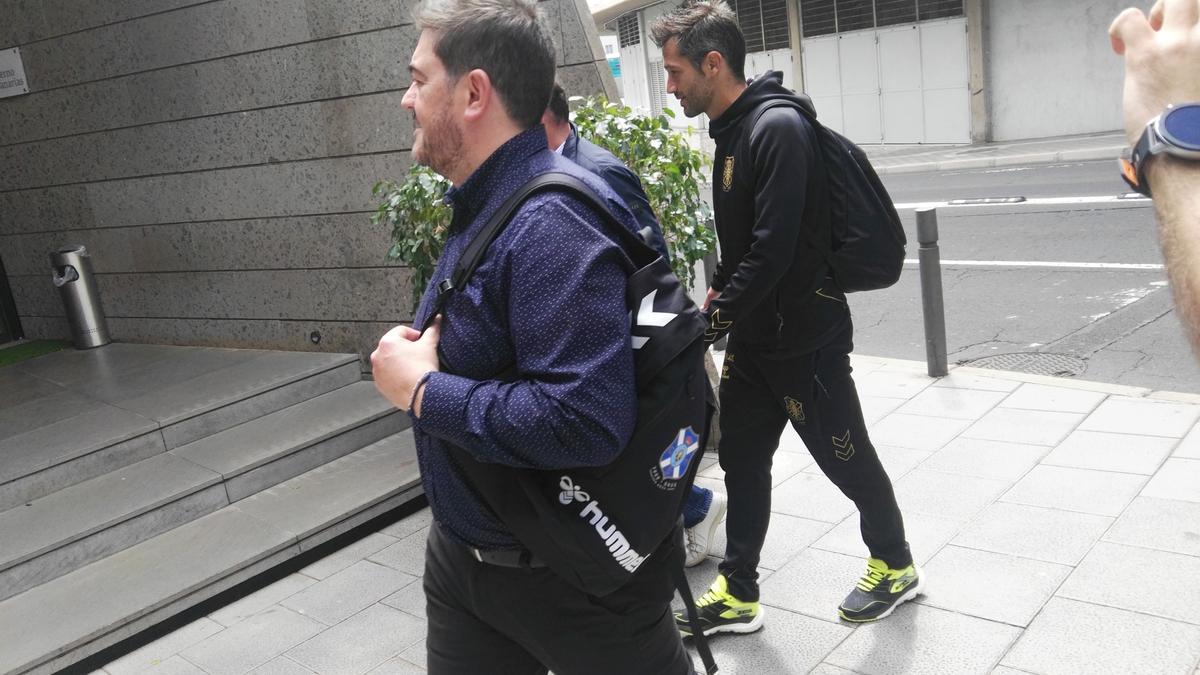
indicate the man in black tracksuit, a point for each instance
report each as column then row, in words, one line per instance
column 789, row 325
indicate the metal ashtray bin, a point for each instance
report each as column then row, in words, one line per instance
column 81, row 299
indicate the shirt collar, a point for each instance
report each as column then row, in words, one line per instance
column 481, row 185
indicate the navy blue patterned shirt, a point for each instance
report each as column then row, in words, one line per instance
column 549, row 296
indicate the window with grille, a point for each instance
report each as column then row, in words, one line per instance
column 629, row 32
column 825, row 17
column 764, row 24
column 658, row 87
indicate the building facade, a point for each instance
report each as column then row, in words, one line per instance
column 914, row 71
column 217, row 158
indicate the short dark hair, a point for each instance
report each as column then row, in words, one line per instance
column 558, row 104
column 701, row 27
column 507, row 39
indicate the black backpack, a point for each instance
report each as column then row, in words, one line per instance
column 865, row 250
column 594, row 526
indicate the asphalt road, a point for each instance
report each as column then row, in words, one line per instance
column 1078, row 284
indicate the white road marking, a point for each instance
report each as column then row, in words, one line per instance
column 1047, row 264
column 1032, row 201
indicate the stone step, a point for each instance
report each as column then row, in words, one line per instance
column 69, row 618
column 90, row 412
column 273, row 448
column 83, row 523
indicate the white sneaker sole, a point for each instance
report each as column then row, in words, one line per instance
column 755, row 624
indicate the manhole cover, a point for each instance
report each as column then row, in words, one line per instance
column 1062, row 365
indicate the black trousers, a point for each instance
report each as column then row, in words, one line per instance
column 511, row 621
column 761, row 391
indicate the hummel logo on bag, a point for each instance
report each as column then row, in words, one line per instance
column 570, row 491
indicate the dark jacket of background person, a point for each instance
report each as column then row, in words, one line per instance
column 773, row 281
column 619, row 177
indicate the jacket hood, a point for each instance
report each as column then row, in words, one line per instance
column 766, row 87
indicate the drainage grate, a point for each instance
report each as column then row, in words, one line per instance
column 1062, row 365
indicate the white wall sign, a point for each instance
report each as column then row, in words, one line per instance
column 12, row 73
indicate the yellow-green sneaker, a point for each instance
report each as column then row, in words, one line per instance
column 720, row 612
column 880, row 590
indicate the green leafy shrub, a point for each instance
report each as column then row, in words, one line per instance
column 670, row 169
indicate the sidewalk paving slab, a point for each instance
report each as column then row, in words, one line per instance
column 1057, row 522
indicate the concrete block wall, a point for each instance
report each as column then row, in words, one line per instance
column 1050, row 69
column 217, row 158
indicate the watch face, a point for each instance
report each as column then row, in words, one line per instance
column 1181, row 126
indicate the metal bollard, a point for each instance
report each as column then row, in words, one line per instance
column 930, row 260
column 81, row 299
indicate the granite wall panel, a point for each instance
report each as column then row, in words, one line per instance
column 219, row 167
column 328, row 69
column 345, row 126
column 300, row 242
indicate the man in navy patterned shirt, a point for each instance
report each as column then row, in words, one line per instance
column 549, row 298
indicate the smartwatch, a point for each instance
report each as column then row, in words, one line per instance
column 1175, row 132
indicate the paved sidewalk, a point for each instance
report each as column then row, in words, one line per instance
column 909, row 158
column 1057, row 521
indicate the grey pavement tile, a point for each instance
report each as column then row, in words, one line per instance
column 897, row 462
column 360, row 643
column 918, row 432
column 1034, row 427
column 784, row 465
column 151, row 656
column 398, row 666
column 1104, row 493
column 1189, row 447
column 1164, row 524
column 1034, row 532
column 946, row 495
column 1111, row 452
column 926, row 640
column 252, row 642
column 813, row 583
column 986, row 459
column 790, row 442
column 347, row 556
column 281, row 666
column 987, row 585
column 828, row 669
column 174, row 665
column 409, row 599
column 961, row 380
column 1177, row 479
column 963, row 404
column 410, row 524
column 786, row 538
column 1125, row 415
column 1079, row 638
column 1030, row 396
column 807, row 495
column 1005, row 670
column 406, row 555
column 1138, row 579
column 787, row 643
column 891, row 383
column 348, row 592
column 926, row 535
column 416, row 655
column 261, row 599
column 875, row 408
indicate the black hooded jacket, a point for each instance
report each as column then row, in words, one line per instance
column 771, row 204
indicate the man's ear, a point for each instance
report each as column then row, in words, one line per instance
column 479, row 93
column 713, row 63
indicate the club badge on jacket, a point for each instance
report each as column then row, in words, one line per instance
column 727, row 175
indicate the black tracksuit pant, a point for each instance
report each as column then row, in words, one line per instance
column 485, row 618
column 761, row 391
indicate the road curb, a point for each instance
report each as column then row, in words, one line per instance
column 1046, row 157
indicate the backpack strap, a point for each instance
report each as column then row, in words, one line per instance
column 634, row 244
